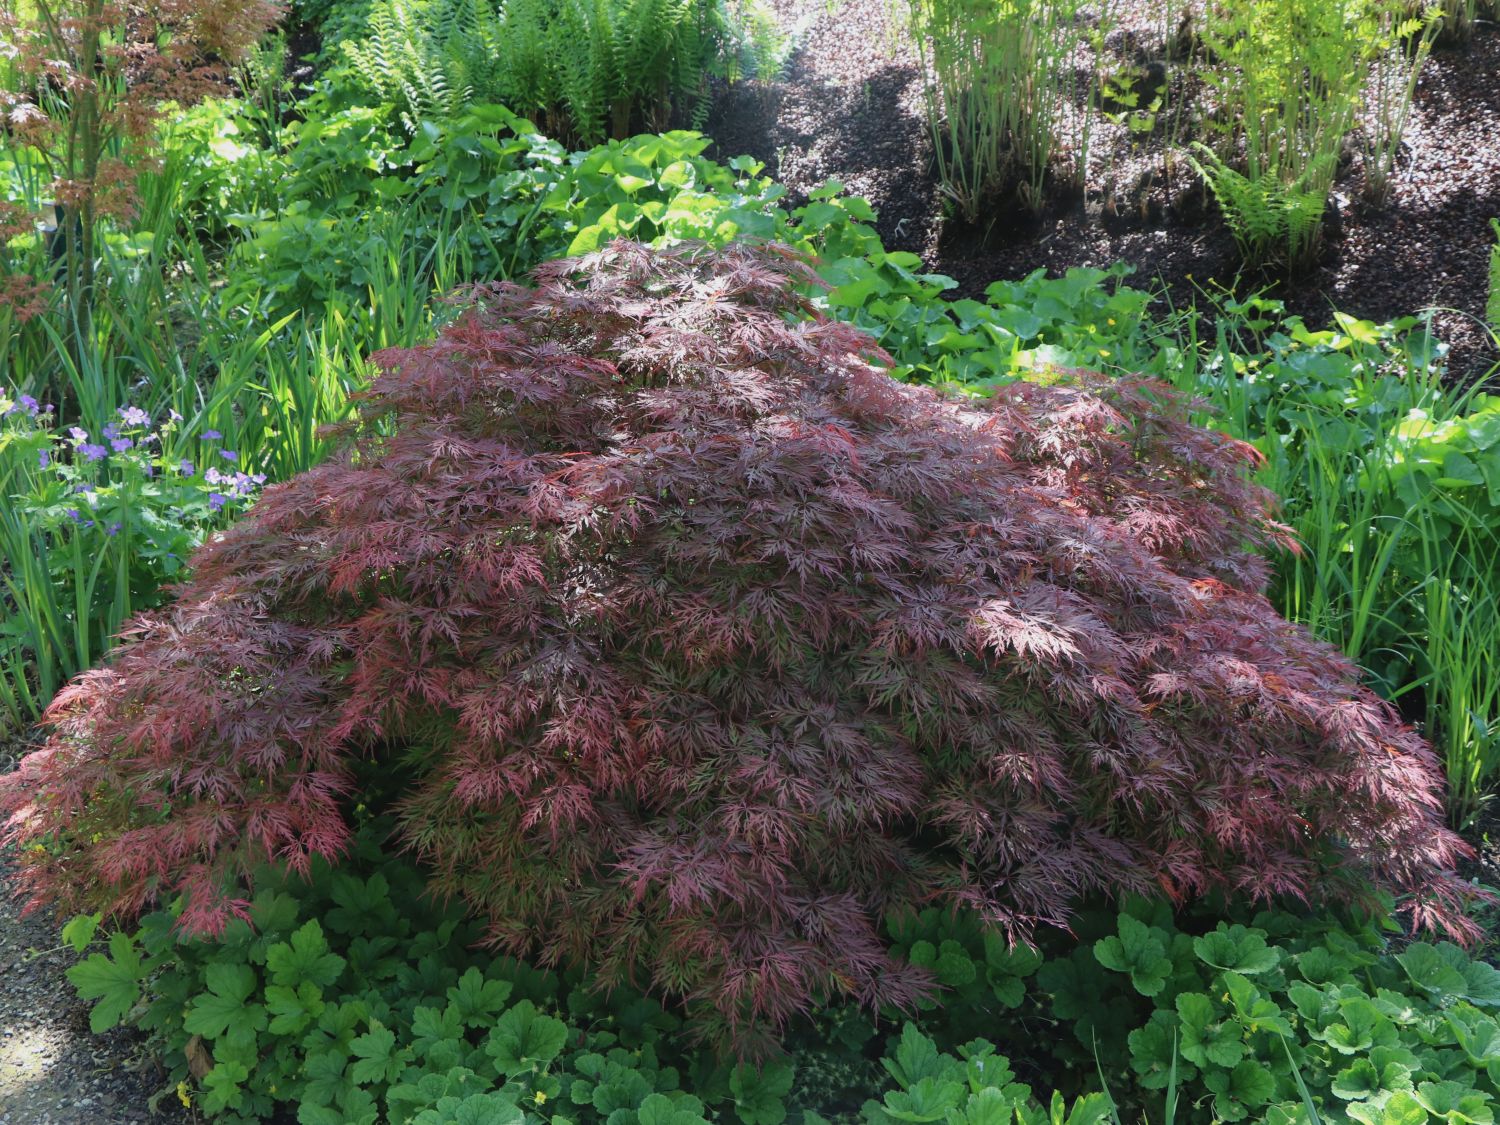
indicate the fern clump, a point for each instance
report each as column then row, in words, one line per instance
column 586, row 69
column 1270, row 220
column 697, row 644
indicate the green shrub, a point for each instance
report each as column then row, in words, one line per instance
column 214, row 172
column 330, row 999
column 405, row 58
column 1239, row 1015
column 352, row 996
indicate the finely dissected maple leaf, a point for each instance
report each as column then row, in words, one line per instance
column 711, row 643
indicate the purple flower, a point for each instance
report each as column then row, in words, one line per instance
column 185, row 467
column 111, row 431
column 73, row 514
column 243, row 484
column 229, row 455
column 134, row 416
column 93, row 452
column 172, row 414
column 216, row 500
column 43, row 458
column 112, row 529
column 213, row 476
column 120, row 444
column 78, row 433
column 211, row 435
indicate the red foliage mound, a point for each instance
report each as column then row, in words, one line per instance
column 708, row 642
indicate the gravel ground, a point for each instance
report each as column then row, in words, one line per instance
column 53, row 1071
column 850, row 108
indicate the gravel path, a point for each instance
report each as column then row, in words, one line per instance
column 53, row 1070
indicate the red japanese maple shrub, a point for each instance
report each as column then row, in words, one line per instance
column 710, row 643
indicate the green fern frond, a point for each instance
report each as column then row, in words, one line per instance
column 1270, row 220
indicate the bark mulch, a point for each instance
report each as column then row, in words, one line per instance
column 850, row 108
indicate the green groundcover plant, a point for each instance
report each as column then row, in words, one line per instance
column 350, row 997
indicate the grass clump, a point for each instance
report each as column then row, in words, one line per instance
column 1002, row 79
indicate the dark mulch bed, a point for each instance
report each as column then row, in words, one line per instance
column 850, row 108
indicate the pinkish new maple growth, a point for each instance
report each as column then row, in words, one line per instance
column 91, row 77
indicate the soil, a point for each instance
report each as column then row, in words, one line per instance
column 850, row 108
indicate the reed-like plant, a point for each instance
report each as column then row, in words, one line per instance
column 1001, row 79
column 1403, row 41
column 1400, row 572
column 1460, row 684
